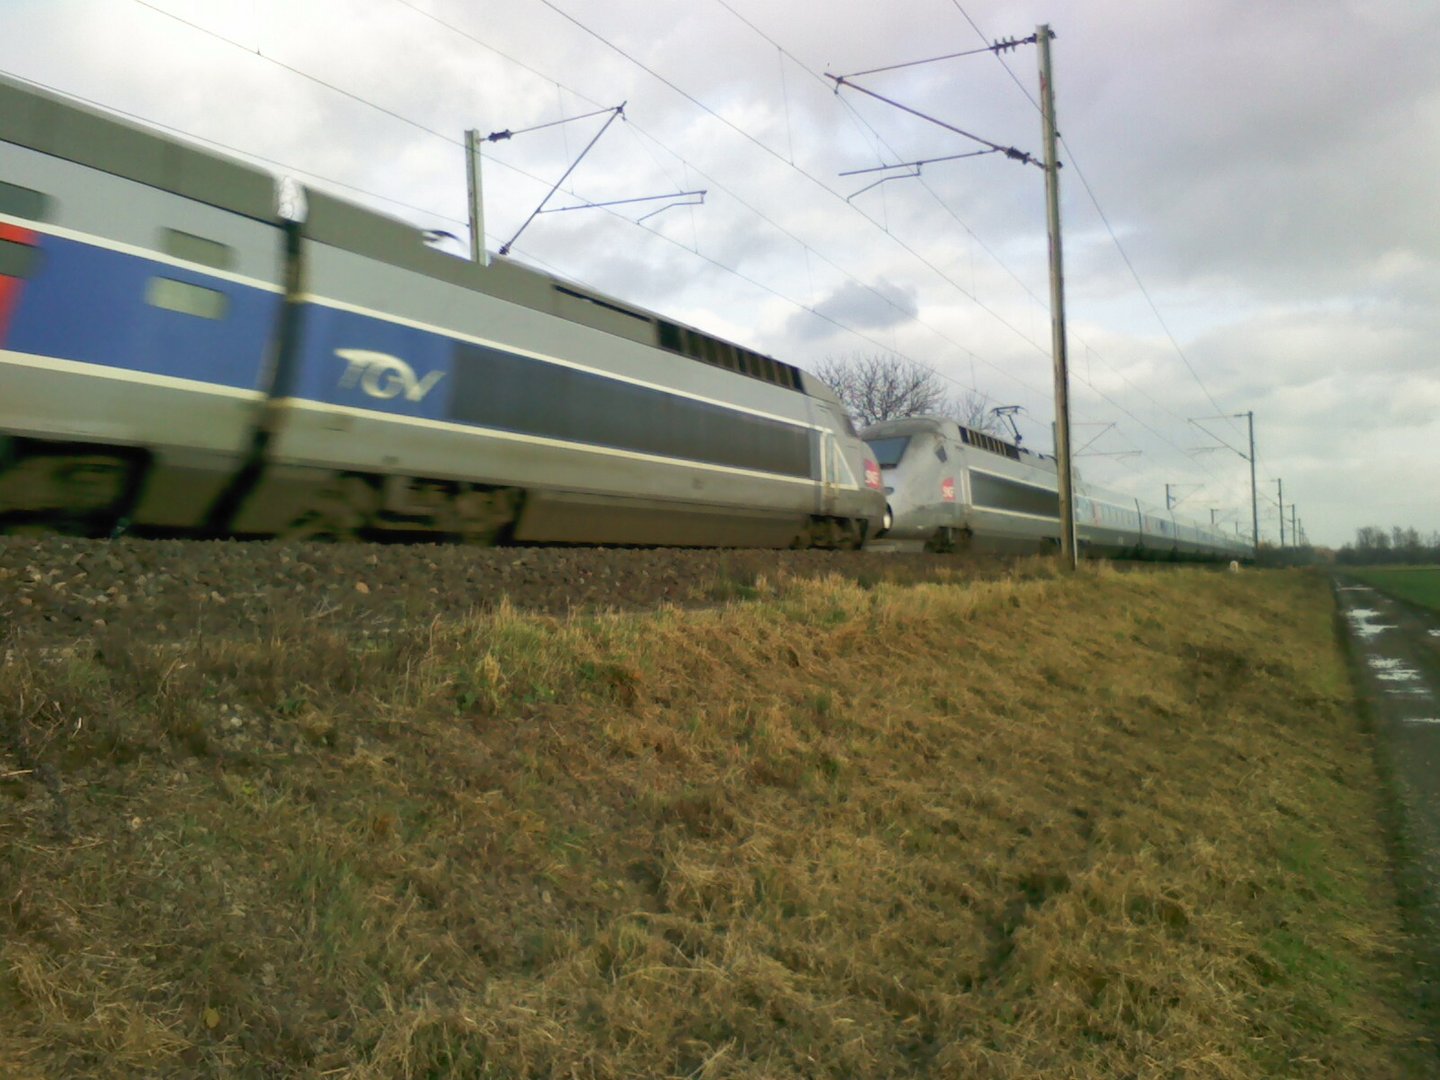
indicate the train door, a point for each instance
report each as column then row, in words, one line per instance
column 835, row 472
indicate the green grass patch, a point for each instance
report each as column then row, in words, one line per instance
column 1417, row 584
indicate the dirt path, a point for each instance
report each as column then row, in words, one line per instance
column 1397, row 651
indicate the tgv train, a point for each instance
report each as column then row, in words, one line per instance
column 951, row 488
column 177, row 359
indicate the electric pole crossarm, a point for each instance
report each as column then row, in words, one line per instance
column 1096, row 438
column 1217, row 438
column 618, row 110
column 1250, row 457
column 998, row 47
column 1009, row 151
column 916, row 164
column 500, row 136
column 623, row 202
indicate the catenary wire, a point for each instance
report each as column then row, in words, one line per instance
column 810, row 309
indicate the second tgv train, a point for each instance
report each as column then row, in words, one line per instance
column 178, row 359
column 951, row 488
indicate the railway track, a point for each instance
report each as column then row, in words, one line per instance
column 59, row 589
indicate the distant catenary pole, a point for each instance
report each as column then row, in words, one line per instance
column 478, row 254
column 1254, row 496
column 1280, row 501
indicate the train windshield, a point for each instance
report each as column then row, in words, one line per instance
column 888, row 452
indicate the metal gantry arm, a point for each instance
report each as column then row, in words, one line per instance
column 496, row 136
column 678, row 198
column 1009, row 151
column 1250, row 457
column 915, row 165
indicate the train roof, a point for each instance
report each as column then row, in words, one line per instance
column 62, row 127
column 48, row 122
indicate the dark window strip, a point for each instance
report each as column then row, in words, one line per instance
column 717, row 353
column 24, row 202
column 18, row 260
column 602, row 303
column 998, row 493
column 515, row 393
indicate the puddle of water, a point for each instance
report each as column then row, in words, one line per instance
column 1361, row 625
column 1355, row 588
column 1409, row 691
column 1433, row 633
column 1422, row 720
column 1389, row 669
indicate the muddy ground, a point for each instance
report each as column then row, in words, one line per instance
column 1396, row 648
column 58, row 589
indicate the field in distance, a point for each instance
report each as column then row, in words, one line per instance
column 1113, row 824
column 1418, row 584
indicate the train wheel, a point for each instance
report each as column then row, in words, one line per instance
column 485, row 517
column 79, row 493
column 340, row 511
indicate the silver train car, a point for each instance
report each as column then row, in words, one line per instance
column 178, row 359
column 953, row 489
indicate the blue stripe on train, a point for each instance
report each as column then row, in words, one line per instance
column 322, row 374
column 88, row 303
column 362, row 362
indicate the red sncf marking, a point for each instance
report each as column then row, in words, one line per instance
column 10, row 286
column 872, row 475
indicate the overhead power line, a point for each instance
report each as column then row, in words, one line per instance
column 1115, row 239
column 799, row 304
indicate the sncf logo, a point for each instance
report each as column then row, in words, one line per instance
column 873, row 478
column 947, row 489
column 383, row 376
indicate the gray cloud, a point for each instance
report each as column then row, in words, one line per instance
column 877, row 306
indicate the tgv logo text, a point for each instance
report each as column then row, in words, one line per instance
column 383, row 376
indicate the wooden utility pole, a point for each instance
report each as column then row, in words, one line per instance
column 1057, row 306
column 1280, row 502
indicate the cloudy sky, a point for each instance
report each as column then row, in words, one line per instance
column 1250, row 219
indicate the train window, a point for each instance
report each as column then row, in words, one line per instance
column 185, row 298
column 23, row 202
column 607, row 305
column 17, row 260
column 670, row 336
column 197, row 249
column 888, row 452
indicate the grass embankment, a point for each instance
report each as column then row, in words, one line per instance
column 1118, row 825
column 1418, row 584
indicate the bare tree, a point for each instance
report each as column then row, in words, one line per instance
column 972, row 409
column 876, row 387
column 879, row 387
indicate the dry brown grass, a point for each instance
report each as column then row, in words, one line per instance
column 1122, row 825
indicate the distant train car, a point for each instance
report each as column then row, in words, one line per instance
column 951, row 488
column 179, row 360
